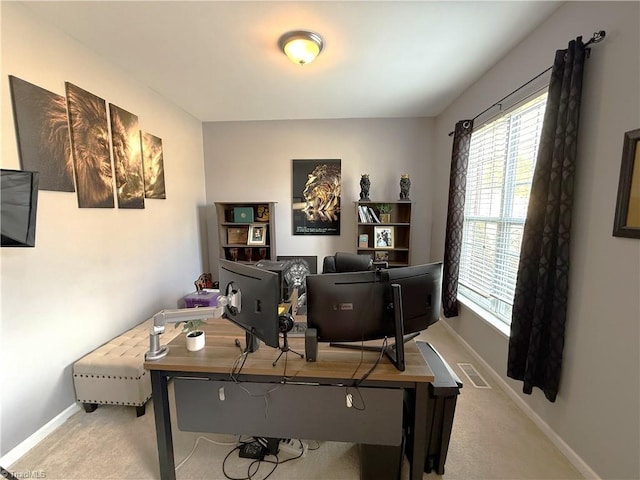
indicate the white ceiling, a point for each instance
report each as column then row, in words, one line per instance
column 219, row 60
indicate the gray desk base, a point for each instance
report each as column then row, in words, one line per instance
column 290, row 411
column 418, row 392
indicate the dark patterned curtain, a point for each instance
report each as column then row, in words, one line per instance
column 455, row 216
column 540, row 301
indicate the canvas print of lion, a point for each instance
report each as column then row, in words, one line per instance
column 153, row 165
column 127, row 158
column 43, row 134
column 90, row 148
column 317, row 186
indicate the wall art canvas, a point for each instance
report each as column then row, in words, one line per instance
column 127, row 158
column 42, row 132
column 90, row 148
column 295, row 273
column 153, row 164
column 627, row 216
column 316, row 192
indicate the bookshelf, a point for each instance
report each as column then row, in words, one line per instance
column 246, row 235
column 385, row 240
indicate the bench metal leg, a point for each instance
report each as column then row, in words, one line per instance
column 140, row 410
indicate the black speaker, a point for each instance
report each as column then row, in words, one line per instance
column 311, row 344
column 286, row 322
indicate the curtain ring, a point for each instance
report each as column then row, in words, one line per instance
column 466, row 124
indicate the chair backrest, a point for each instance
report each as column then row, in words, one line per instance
column 346, row 262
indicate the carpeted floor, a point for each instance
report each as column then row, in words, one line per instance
column 491, row 439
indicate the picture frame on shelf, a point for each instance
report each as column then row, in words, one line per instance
column 381, row 256
column 237, row 236
column 627, row 216
column 363, row 240
column 257, row 235
column 383, row 237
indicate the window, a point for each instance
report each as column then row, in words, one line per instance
column 502, row 158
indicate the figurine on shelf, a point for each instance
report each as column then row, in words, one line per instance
column 405, row 184
column 365, row 183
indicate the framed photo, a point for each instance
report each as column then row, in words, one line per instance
column 627, row 219
column 257, row 235
column 383, row 237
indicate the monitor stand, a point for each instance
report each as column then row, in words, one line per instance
column 395, row 351
column 251, row 342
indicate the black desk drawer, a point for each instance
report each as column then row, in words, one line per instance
column 290, row 411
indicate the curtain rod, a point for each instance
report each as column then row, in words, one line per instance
column 595, row 38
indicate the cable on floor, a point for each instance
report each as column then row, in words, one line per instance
column 195, row 445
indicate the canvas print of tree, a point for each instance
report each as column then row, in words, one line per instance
column 127, row 158
column 153, row 166
column 90, row 148
column 43, row 134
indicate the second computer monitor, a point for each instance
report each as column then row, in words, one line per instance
column 348, row 307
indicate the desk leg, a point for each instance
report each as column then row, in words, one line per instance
column 159, row 387
column 419, row 431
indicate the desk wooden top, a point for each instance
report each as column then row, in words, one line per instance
column 220, row 354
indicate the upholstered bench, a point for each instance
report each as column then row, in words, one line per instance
column 114, row 373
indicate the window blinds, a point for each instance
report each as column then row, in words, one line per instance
column 500, row 170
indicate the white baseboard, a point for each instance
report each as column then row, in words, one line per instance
column 585, row 470
column 22, row 448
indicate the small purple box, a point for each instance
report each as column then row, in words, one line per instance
column 205, row 298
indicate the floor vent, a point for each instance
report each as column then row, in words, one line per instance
column 474, row 377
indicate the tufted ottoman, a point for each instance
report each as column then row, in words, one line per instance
column 114, row 373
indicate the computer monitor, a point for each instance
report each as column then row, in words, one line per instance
column 276, row 267
column 347, row 307
column 421, row 292
column 254, row 295
column 396, row 303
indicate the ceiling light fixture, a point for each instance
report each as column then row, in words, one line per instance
column 301, row 46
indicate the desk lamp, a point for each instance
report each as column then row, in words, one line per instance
column 180, row 315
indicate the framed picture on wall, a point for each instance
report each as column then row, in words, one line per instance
column 627, row 219
column 315, row 201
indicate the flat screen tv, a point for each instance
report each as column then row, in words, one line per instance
column 18, row 207
column 254, row 295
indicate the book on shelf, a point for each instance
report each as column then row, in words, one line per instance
column 363, row 213
column 363, row 240
column 375, row 218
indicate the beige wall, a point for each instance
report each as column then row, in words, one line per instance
column 597, row 410
column 93, row 272
column 251, row 161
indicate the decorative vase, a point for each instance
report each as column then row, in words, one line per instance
column 385, row 218
column 195, row 340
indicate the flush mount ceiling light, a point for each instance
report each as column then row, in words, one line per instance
column 300, row 46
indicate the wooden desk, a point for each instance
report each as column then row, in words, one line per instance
column 334, row 367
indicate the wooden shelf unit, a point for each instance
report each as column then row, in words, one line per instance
column 400, row 221
column 233, row 235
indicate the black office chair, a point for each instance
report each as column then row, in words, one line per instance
column 346, row 262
